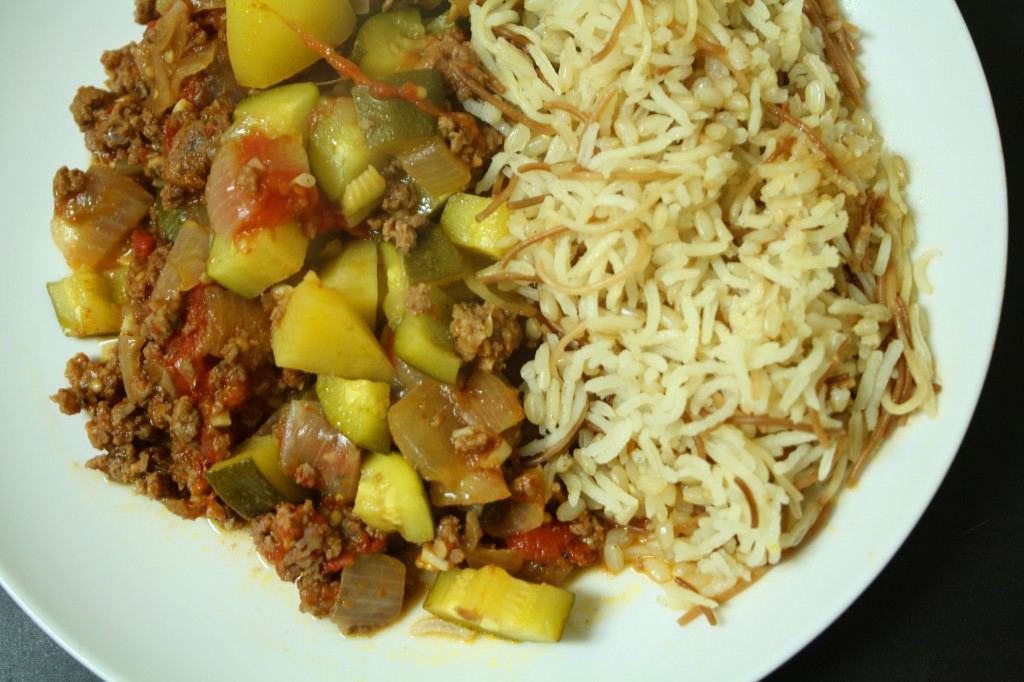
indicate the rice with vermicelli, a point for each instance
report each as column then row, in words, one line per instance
column 715, row 242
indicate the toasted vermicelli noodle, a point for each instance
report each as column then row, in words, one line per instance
column 711, row 227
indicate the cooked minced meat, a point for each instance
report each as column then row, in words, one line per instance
column 484, row 334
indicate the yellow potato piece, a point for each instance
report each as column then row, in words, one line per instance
column 264, row 50
column 320, row 332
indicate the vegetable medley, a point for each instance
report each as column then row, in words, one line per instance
column 283, row 237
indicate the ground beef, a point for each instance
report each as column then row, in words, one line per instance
column 67, row 184
column 145, row 11
column 191, row 148
column 309, row 546
column 171, row 147
column 484, row 334
column 417, row 299
column 466, row 140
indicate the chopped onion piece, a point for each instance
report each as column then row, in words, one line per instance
column 434, row 168
column 186, row 261
column 90, row 229
column 251, row 183
column 488, row 402
column 479, row 486
column 307, row 438
column 371, row 594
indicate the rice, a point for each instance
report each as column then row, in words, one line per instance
column 717, row 251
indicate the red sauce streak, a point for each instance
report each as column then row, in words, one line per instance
column 143, row 244
column 346, row 68
column 551, row 543
column 278, row 198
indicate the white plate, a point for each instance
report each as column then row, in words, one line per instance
column 136, row 593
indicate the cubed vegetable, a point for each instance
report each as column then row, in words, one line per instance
column 363, row 195
column 84, row 304
column 357, row 408
column 264, row 50
column 393, row 124
column 354, row 272
column 391, row 498
column 491, row 600
column 249, row 263
column 390, row 42
column 320, row 332
column 489, row 237
column 283, row 110
column 338, row 152
column 251, row 481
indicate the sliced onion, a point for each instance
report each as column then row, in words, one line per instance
column 508, row 517
column 90, row 229
column 434, row 168
column 186, row 261
column 272, row 165
column 487, row 401
column 479, row 486
column 190, row 65
column 308, row 438
column 422, row 424
column 129, row 362
column 371, row 594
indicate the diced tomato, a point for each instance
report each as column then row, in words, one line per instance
column 551, row 543
column 143, row 244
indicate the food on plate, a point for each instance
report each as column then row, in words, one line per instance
column 477, row 295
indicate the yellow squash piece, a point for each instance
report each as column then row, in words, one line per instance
column 354, row 272
column 357, row 408
column 489, row 237
column 253, row 261
column 491, row 600
column 283, row 110
column 320, row 332
column 85, row 304
column 391, row 498
column 264, row 50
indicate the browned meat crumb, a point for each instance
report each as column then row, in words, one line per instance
column 484, row 334
column 417, row 299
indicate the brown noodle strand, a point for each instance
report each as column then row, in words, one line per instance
column 613, row 37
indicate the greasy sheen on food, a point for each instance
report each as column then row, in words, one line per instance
column 717, row 240
column 477, row 295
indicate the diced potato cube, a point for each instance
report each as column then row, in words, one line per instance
column 354, row 272
column 264, row 50
column 320, row 332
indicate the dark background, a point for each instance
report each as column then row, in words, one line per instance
column 949, row 605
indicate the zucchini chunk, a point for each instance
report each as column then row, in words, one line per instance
column 357, row 408
column 85, row 304
column 391, row 498
column 251, row 481
column 390, row 42
column 251, row 262
column 279, row 111
column 489, row 237
column 393, row 125
column 491, row 600
column 338, row 152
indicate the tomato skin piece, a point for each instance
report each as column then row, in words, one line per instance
column 257, row 182
column 551, row 543
column 143, row 244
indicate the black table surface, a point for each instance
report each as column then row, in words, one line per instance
column 949, row 605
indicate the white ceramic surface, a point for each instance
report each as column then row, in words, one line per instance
column 138, row 594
